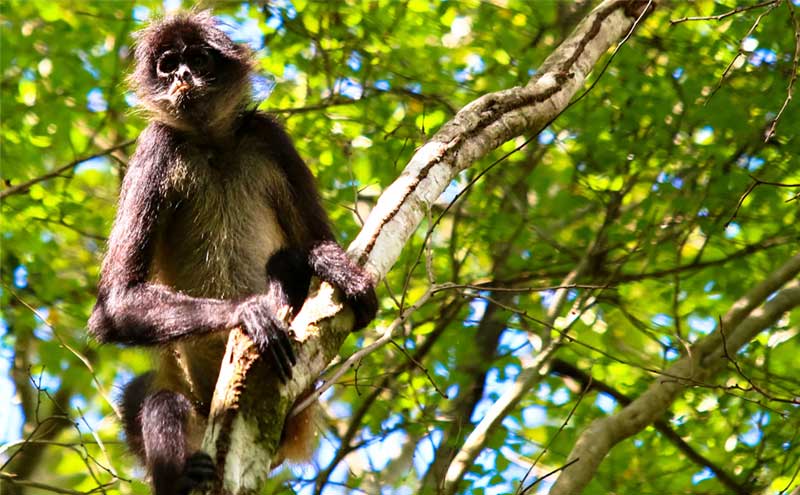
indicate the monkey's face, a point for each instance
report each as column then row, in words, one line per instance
column 184, row 74
column 189, row 74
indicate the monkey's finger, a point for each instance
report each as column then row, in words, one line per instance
column 283, row 368
column 286, row 346
column 285, row 351
column 200, row 467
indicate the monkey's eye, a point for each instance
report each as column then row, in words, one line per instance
column 198, row 59
column 168, row 62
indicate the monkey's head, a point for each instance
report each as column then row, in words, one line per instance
column 189, row 74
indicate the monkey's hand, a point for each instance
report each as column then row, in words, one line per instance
column 330, row 263
column 257, row 315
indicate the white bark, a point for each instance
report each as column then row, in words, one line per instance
column 707, row 357
column 249, row 403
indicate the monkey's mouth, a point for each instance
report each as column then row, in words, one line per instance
column 179, row 88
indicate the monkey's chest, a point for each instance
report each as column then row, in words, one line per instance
column 218, row 237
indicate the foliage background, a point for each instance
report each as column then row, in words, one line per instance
column 640, row 179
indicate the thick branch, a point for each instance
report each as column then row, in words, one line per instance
column 244, row 429
column 562, row 367
column 707, row 357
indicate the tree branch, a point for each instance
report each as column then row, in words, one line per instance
column 564, row 368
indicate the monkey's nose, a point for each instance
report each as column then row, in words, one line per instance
column 184, row 74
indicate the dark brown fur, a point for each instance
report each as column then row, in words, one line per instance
column 219, row 225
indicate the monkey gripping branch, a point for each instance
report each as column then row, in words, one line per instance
column 244, row 429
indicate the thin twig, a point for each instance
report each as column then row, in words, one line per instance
column 71, row 349
column 523, row 491
column 776, row 184
column 554, row 471
column 723, row 15
column 793, row 79
column 756, row 182
column 12, row 479
column 753, row 386
column 611, row 58
column 740, row 51
column 491, row 288
column 750, row 188
column 791, row 481
column 421, row 367
column 19, row 188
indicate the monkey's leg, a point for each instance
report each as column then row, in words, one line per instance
column 165, row 421
column 288, row 278
column 134, row 395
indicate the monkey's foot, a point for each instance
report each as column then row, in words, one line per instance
column 200, row 472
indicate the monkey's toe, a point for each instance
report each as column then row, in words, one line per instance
column 199, row 473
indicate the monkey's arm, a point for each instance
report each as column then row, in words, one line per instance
column 129, row 309
column 326, row 258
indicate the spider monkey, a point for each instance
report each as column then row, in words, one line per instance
column 219, row 225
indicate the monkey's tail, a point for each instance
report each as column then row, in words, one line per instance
column 299, row 436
